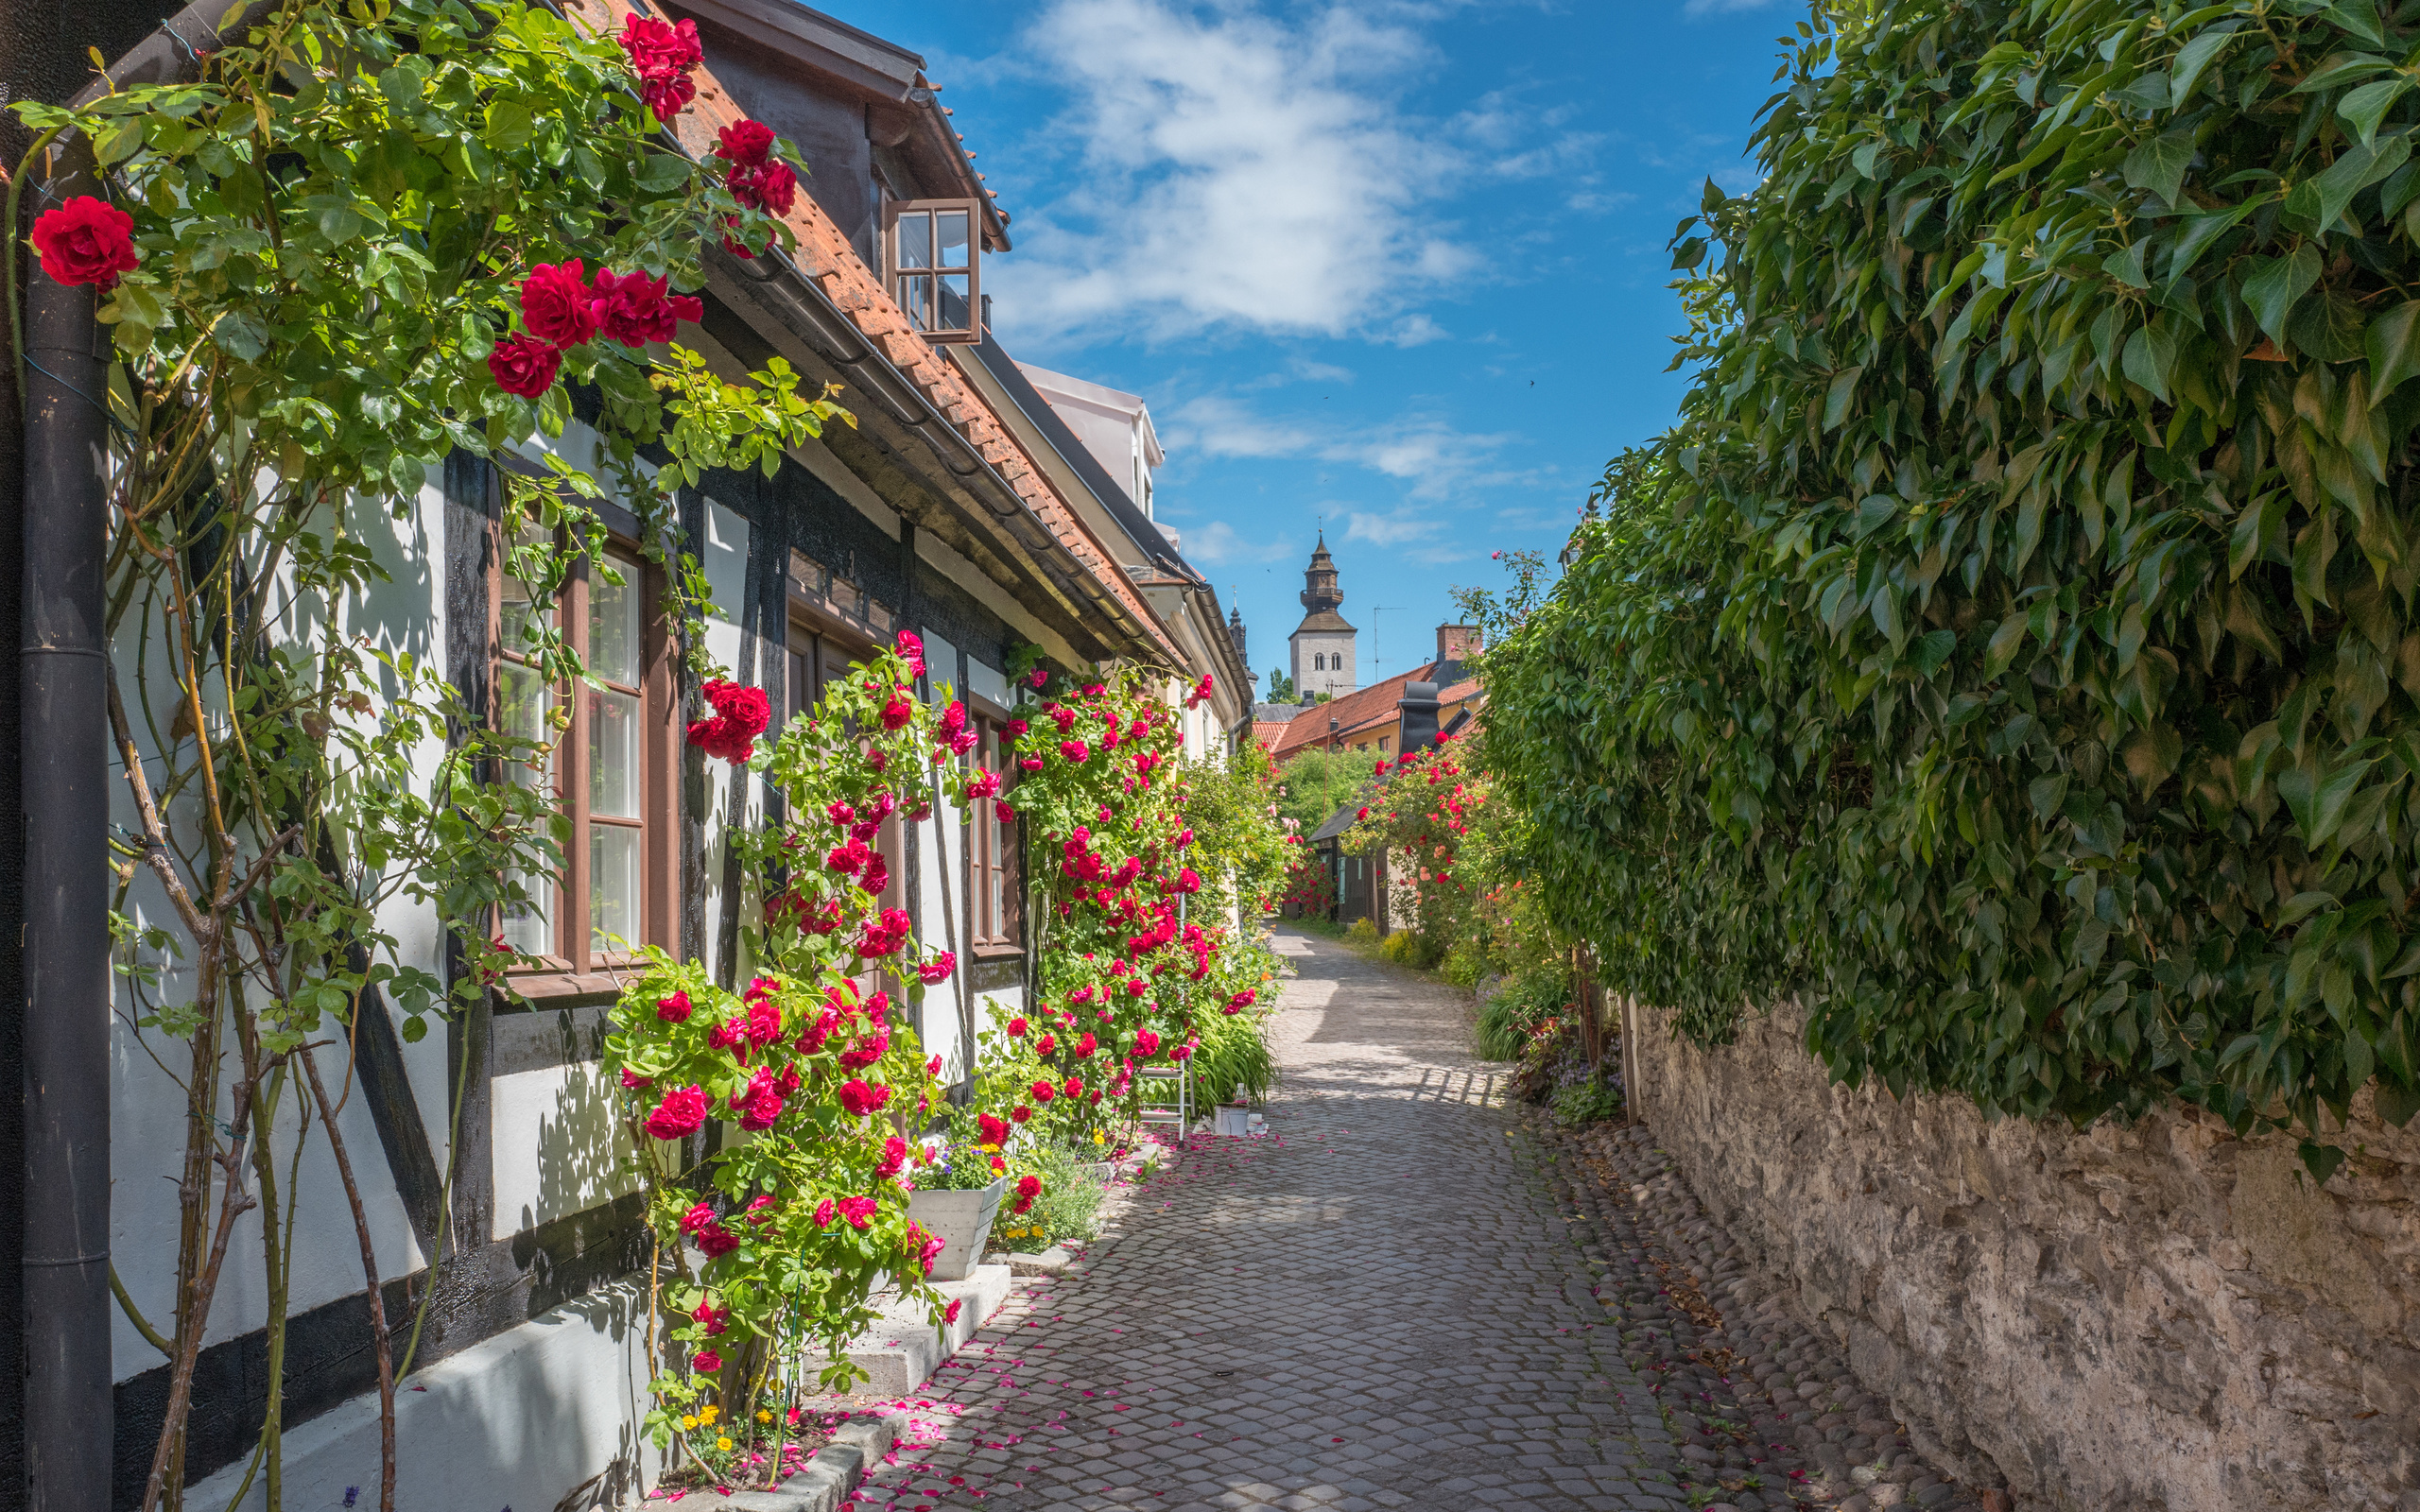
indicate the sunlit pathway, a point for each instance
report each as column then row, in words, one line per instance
column 1374, row 1305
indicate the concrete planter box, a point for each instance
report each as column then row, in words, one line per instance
column 1235, row 1123
column 963, row 1220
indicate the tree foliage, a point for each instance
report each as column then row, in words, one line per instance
column 2013, row 646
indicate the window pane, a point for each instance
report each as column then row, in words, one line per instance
column 613, row 887
column 528, row 927
column 614, row 754
column 517, row 613
column 916, row 298
column 522, row 699
column 952, row 252
column 614, row 627
column 955, row 316
column 916, row 239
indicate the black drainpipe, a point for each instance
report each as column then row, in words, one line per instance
column 65, row 764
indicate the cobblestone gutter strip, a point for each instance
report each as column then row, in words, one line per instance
column 1762, row 1406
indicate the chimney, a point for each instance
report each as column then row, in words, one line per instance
column 1456, row 642
column 1419, row 706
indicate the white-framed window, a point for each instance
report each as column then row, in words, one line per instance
column 933, row 252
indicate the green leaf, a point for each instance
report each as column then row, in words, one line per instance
column 240, row 336
column 2328, row 804
column 2392, row 343
column 2397, row 1105
column 2364, row 106
column 2320, row 1160
column 2254, row 528
column 2151, row 354
column 2339, row 69
column 2276, row 284
column 2195, row 56
column 509, row 126
column 1838, row 397
column 2303, row 904
column 2158, row 165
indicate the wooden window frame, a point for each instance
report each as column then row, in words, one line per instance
column 826, row 634
column 894, row 276
column 572, row 967
column 992, row 848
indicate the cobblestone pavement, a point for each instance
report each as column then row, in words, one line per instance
column 1374, row 1305
column 1406, row 1295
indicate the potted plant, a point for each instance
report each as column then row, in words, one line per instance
column 957, row 1196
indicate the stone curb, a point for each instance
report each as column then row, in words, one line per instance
column 838, row 1468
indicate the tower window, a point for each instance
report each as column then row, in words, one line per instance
column 1319, row 663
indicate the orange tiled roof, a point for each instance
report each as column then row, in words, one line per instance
column 1358, row 710
column 824, row 254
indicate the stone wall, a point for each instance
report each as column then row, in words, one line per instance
column 2156, row 1316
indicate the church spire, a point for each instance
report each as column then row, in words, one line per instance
column 1320, row 591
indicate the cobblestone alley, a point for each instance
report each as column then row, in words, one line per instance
column 1374, row 1305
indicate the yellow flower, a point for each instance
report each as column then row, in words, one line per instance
column 764, row 1416
column 991, row 1149
column 709, row 1413
column 723, row 1444
column 1098, row 1137
column 688, row 1423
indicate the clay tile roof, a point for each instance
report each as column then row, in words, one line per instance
column 1356, row 711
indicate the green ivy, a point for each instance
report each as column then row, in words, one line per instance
column 2012, row 649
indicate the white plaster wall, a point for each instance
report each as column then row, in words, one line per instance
column 148, row 1067
column 558, row 1149
column 521, row 1420
column 725, row 564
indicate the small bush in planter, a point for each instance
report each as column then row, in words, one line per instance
column 1068, row 1209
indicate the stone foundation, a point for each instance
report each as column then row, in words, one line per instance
column 2156, row 1316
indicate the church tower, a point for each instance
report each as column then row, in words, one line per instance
column 1324, row 660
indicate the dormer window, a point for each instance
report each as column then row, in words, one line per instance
column 935, row 266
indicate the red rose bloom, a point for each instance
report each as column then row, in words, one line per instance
column 1017, row 1028
column 86, row 241
column 1019, row 1113
column 772, row 188
column 937, row 969
column 862, row 1100
column 1074, row 750
column 712, row 1318
column 659, row 49
column 555, row 300
column 679, row 1115
column 705, row 1361
column 1085, row 1046
column 674, row 1009
column 745, row 143
column 994, row 1132
column 897, row 711
column 1029, row 1186
column 1044, row 1092
column 633, row 308
column 524, row 365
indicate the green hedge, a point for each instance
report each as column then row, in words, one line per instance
column 2012, row 648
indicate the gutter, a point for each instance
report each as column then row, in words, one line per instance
column 63, row 667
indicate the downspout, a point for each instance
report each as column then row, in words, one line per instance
column 65, row 763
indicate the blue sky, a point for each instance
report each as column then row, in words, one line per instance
column 1396, row 266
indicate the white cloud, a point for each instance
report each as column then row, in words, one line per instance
column 1237, row 171
column 1400, row 527
column 1437, row 453
column 1221, row 544
column 1715, row 8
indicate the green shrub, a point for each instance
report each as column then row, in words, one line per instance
column 1508, row 1019
column 1234, row 1056
column 1363, row 931
column 1398, row 947
column 2007, row 651
column 1463, row 965
column 1069, row 1211
column 1590, row 1100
